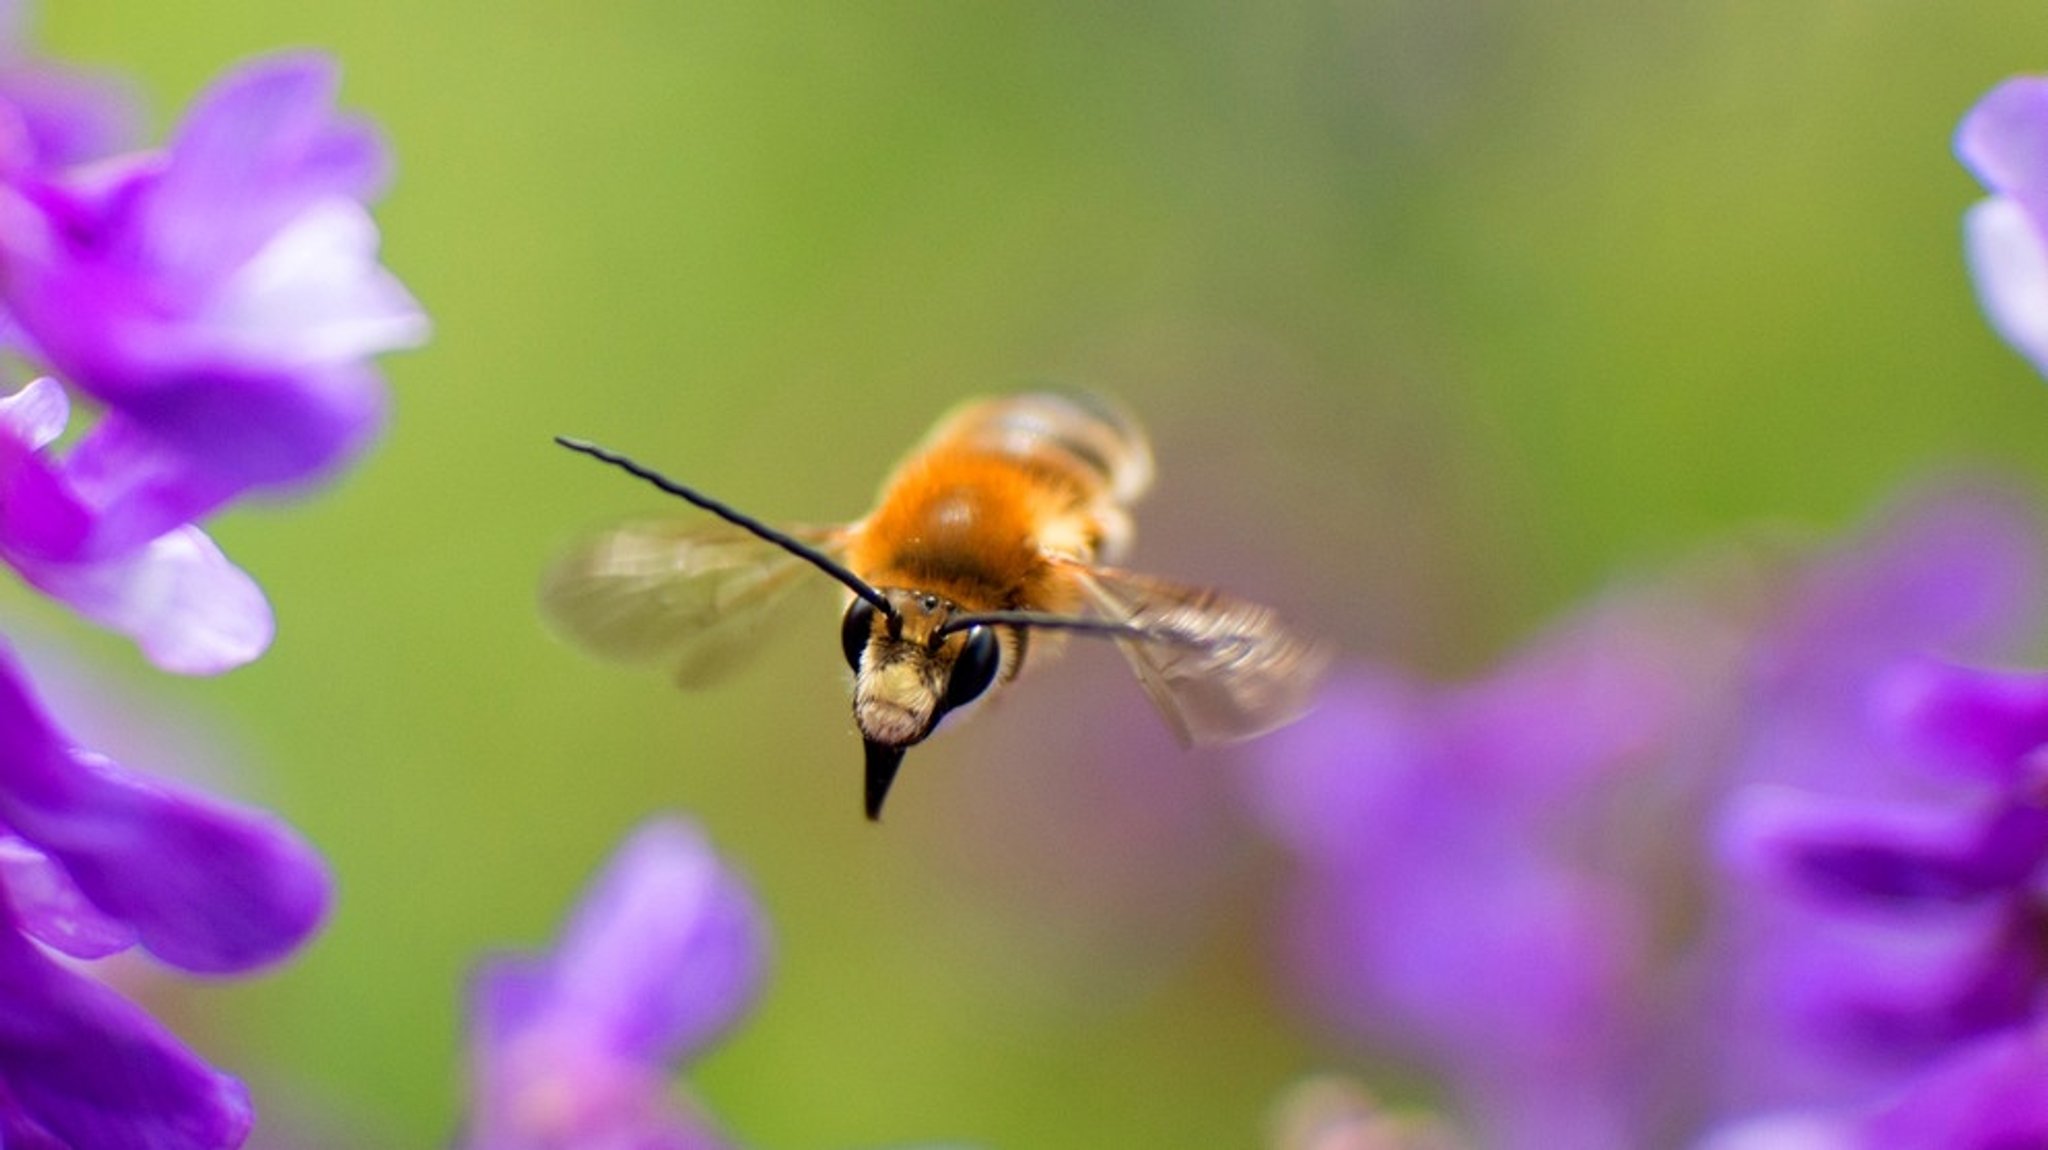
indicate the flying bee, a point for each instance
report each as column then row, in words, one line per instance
column 991, row 540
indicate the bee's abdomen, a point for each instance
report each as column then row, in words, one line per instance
column 1083, row 439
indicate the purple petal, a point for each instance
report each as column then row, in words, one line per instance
column 313, row 294
column 220, row 430
column 65, row 116
column 69, row 117
column 1337, row 770
column 665, row 952
column 1986, row 721
column 2004, row 139
column 51, row 908
column 151, row 470
column 1607, row 686
column 537, row 1091
column 221, row 299
column 207, row 887
column 1396, row 957
column 39, row 513
column 82, row 1067
column 1873, row 854
column 1567, row 944
column 258, row 148
column 1884, row 994
column 190, row 610
column 1985, row 1095
column 2008, row 256
column 1988, row 1096
column 36, row 415
column 118, row 488
column 1953, row 571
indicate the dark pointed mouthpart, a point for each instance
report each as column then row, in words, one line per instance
column 882, row 763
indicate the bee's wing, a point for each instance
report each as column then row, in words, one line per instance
column 693, row 597
column 1217, row 668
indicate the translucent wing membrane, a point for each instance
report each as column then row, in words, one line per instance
column 1217, row 668
column 695, row 597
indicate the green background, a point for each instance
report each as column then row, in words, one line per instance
column 1442, row 317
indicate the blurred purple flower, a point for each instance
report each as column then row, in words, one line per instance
column 220, row 300
column 575, row 1048
column 2004, row 141
column 1860, row 944
column 94, row 860
column 1466, row 895
column 1988, row 1097
column 1916, row 938
column 1512, row 880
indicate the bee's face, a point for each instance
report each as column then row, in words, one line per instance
column 906, row 674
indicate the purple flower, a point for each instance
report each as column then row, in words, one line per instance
column 573, row 1049
column 1917, row 934
column 1863, row 939
column 1512, row 880
column 95, row 860
column 220, row 300
column 1466, row 896
column 2004, row 141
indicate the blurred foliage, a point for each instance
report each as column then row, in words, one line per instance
column 1442, row 316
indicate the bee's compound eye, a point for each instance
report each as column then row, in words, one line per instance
column 854, row 632
column 975, row 669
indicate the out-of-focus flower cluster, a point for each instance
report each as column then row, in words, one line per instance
column 1629, row 890
column 214, row 303
column 1747, row 878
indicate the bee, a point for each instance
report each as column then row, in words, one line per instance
column 993, row 539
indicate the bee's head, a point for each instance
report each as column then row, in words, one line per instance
column 909, row 671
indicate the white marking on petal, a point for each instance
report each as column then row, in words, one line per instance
column 2010, row 262
column 36, row 414
column 315, row 294
column 1787, row 1131
column 190, row 610
column 50, row 906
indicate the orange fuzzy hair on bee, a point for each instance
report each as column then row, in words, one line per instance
column 975, row 528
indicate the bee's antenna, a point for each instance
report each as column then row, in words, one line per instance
column 740, row 519
column 1108, row 628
